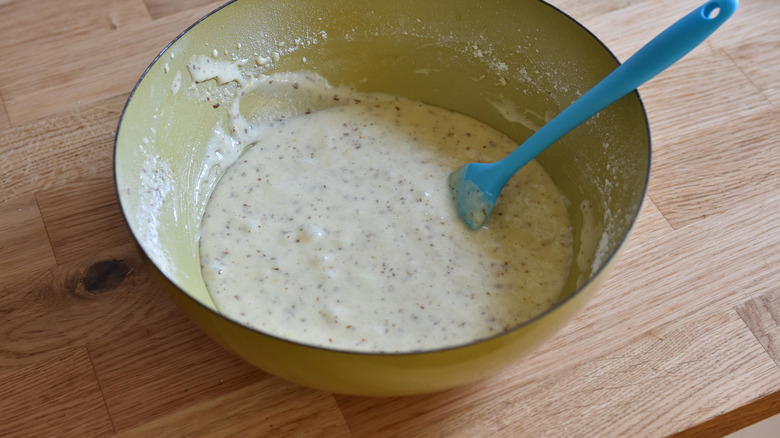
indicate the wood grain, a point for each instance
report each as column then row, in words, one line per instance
column 762, row 315
column 44, row 311
column 162, row 8
column 145, row 374
column 97, row 55
column 4, row 122
column 732, row 421
column 278, row 410
column 754, row 52
column 673, row 92
column 57, row 149
column 588, row 15
column 683, row 187
column 83, row 217
column 655, row 369
column 24, row 244
column 623, row 26
column 682, row 339
column 706, row 277
column 56, row 397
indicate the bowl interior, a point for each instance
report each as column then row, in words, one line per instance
column 512, row 64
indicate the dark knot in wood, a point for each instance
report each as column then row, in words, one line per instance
column 105, row 276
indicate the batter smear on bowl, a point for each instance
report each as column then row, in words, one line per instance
column 336, row 228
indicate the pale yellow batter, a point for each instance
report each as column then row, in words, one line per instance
column 336, row 228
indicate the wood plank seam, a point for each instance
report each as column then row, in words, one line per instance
column 756, row 410
column 655, row 205
column 45, row 227
column 100, row 388
column 758, row 339
column 744, row 307
column 6, row 117
column 747, row 76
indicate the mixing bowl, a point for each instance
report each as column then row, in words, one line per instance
column 509, row 63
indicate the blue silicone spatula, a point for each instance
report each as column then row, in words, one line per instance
column 476, row 186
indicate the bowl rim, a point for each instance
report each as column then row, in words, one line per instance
column 607, row 261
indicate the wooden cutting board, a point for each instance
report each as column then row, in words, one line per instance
column 684, row 338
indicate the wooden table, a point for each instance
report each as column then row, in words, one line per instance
column 684, row 338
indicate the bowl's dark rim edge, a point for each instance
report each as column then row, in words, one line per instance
column 579, row 290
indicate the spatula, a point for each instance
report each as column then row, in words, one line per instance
column 475, row 187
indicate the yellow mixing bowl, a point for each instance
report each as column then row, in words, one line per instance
column 508, row 63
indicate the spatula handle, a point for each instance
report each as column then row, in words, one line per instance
column 661, row 52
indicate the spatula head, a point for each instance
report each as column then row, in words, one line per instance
column 472, row 202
